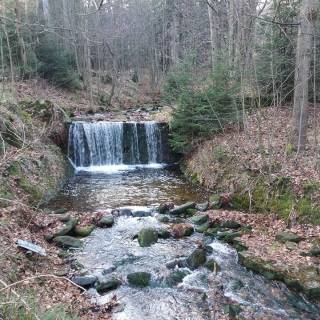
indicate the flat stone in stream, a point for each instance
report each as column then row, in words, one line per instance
column 147, row 237
column 139, row 279
column 200, row 219
column 106, row 221
column 288, row 236
column 107, row 284
column 203, row 206
column 179, row 262
column 85, row 281
column 182, row 209
column 68, row 242
column 141, row 214
column 197, row 259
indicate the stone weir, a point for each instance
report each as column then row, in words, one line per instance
column 115, row 143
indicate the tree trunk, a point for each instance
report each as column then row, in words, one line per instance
column 308, row 17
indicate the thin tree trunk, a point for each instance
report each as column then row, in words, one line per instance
column 308, row 17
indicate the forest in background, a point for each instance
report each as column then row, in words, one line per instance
column 215, row 61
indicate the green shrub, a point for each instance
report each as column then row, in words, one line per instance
column 56, row 64
column 201, row 110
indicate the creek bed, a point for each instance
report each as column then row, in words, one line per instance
column 115, row 251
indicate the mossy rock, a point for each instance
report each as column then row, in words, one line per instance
column 176, row 277
column 203, row 227
column 288, row 237
column 190, row 212
column 164, row 208
column 212, row 232
column 68, row 242
column 139, row 279
column 163, row 219
column 107, row 284
column 200, row 219
column 147, row 237
column 230, row 224
column 228, row 236
column 197, row 258
column 67, row 228
column 27, row 186
column 83, row 231
column 106, row 222
column 164, row 234
column 60, row 211
column 183, row 208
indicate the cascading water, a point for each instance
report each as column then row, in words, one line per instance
column 115, row 143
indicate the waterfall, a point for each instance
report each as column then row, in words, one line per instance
column 114, row 143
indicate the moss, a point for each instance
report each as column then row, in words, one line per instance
column 14, row 169
column 31, row 189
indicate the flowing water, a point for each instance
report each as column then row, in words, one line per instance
column 111, row 173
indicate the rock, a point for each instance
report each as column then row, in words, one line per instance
column 314, row 251
column 107, row 284
column 190, row 212
column 176, row 277
column 202, row 206
column 67, row 228
column 288, row 236
column 60, row 211
column 202, row 228
column 141, row 214
column 200, row 219
column 230, row 224
column 197, row 259
column 31, row 247
column 85, row 281
column 68, row 242
column 83, row 231
column 147, row 237
column 182, row 230
column 212, row 266
column 208, row 249
column 108, row 270
column 212, row 232
column 64, row 217
column 163, row 219
column 180, row 262
column 125, row 212
column 164, row 234
column 291, row 245
column 106, row 222
column 215, row 201
column 165, row 208
column 228, row 236
column 139, row 279
column 182, row 209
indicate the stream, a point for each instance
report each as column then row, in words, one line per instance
column 98, row 186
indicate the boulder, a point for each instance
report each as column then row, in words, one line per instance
column 83, row 231
column 202, row 206
column 68, row 242
column 212, row 232
column 147, row 237
column 164, row 234
column 182, row 230
column 204, row 227
column 165, row 208
column 141, row 214
column 60, row 211
column 288, row 236
column 125, row 212
column 85, row 281
column 228, row 236
column 139, row 279
column 200, row 219
column 196, row 259
column 182, row 209
column 67, row 228
column 106, row 221
column 107, row 284
column 230, row 224
column 176, row 277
